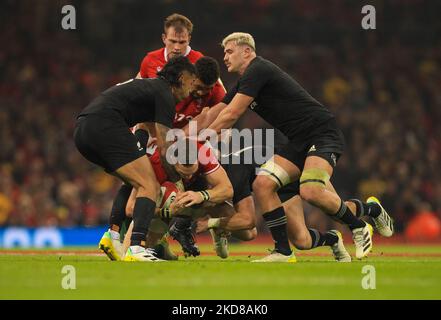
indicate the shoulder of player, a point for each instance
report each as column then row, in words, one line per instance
column 259, row 67
column 166, row 91
column 154, row 56
column 210, row 168
column 194, row 55
column 159, row 88
column 259, row 63
column 156, row 53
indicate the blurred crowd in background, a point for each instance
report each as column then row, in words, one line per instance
column 384, row 86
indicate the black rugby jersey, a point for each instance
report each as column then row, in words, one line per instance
column 280, row 100
column 136, row 100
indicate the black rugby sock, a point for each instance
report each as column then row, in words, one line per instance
column 143, row 213
column 366, row 209
column 118, row 212
column 276, row 222
column 373, row 209
column 345, row 215
column 322, row 239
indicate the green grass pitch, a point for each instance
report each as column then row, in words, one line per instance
column 401, row 272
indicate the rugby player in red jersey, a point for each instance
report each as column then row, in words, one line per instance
column 176, row 38
column 208, row 91
column 207, row 185
column 207, row 74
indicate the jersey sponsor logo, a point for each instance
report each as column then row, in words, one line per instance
column 139, row 146
column 158, row 69
column 253, row 105
column 312, row 149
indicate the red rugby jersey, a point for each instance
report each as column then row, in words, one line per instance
column 155, row 60
column 188, row 108
column 207, row 160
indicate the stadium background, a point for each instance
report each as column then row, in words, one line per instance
column 383, row 85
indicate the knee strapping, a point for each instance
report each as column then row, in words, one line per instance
column 275, row 173
column 317, row 177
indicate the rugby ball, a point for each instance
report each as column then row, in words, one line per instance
column 167, row 194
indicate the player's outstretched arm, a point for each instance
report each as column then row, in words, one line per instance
column 231, row 113
column 242, row 217
column 221, row 190
column 206, row 117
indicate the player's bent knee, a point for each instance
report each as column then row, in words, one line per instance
column 311, row 193
column 312, row 184
column 316, row 177
column 264, row 184
column 275, row 173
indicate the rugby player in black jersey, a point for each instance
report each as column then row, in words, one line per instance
column 103, row 137
column 315, row 145
column 242, row 174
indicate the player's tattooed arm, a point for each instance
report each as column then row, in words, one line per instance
column 163, row 145
column 231, row 113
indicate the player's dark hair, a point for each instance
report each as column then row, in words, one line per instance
column 174, row 68
column 207, row 70
column 179, row 22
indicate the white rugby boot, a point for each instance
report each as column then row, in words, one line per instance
column 111, row 245
column 338, row 249
column 363, row 240
column 220, row 242
column 139, row 253
column 384, row 224
column 275, row 256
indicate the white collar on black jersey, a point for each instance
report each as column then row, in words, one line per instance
column 185, row 54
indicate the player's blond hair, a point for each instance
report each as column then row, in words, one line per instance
column 240, row 38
